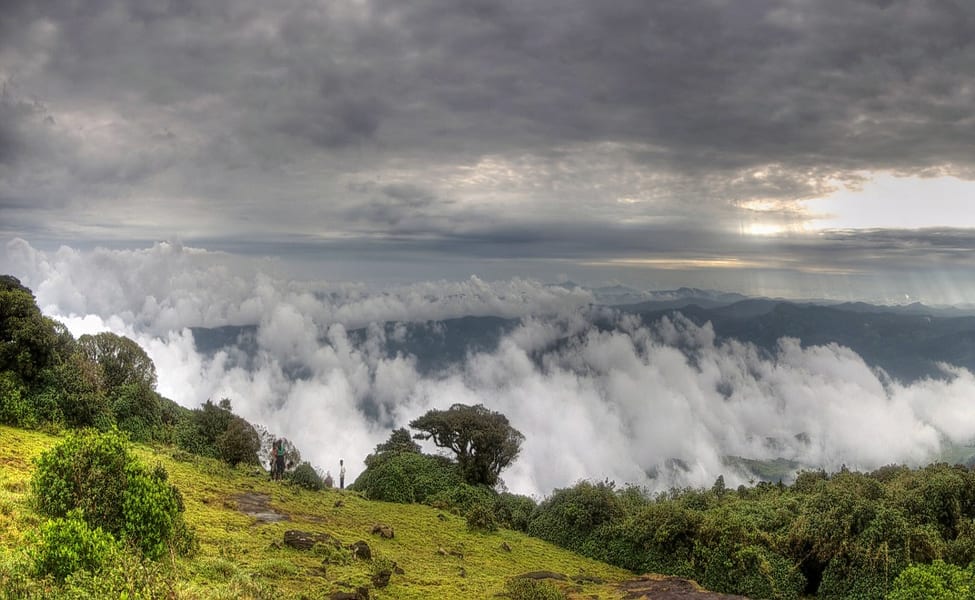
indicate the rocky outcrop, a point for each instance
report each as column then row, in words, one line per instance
column 303, row 540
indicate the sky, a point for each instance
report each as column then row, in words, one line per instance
column 785, row 148
column 313, row 167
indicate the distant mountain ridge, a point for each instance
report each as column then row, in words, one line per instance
column 906, row 341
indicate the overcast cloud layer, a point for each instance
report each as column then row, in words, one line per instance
column 652, row 142
column 656, row 407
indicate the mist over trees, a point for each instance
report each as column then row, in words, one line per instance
column 104, row 381
column 894, row 532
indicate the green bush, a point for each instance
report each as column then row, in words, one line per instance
column 63, row 546
column 75, row 387
column 137, row 410
column 92, row 475
column 480, row 517
column 513, row 511
column 15, row 406
column 570, row 516
column 200, row 429
column 520, row 588
column 460, row 499
column 214, row 430
column 661, row 539
column 306, row 476
column 937, row 581
column 126, row 576
column 86, row 471
column 407, row 477
column 151, row 508
column 239, row 443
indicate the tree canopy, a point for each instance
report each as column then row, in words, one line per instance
column 27, row 340
column 483, row 440
column 122, row 360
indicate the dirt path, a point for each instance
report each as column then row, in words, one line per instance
column 668, row 588
column 257, row 506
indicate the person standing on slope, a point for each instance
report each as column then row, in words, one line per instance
column 279, row 459
column 273, row 466
column 341, row 474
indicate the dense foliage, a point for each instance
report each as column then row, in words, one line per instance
column 408, row 477
column 305, row 475
column 49, row 379
column 62, row 546
column 92, row 477
column 936, row 581
column 848, row 535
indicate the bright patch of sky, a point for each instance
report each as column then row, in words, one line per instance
column 889, row 201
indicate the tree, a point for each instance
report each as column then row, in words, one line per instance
column 28, row 340
column 214, row 430
column 483, row 440
column 239, row 443
column 123, row 361
column 399, row 441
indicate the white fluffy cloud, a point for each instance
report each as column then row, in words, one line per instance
column 169, row 286
column 656, row 406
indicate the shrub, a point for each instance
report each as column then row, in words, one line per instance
column 381, row 570
column 75, row 387
column 239, row 443
column 937, row 581
column 462, row 498
column 138, row 411
column 86, row 471
column 571, row 515
column 214, row 430
column 332, row 554
column 151, row 508
column 127, row 576
column 521, row 588
column 306, row 476
column 480, row 517
column 199, row 431
column 15, row 407
column 63, row 546
column 93, row 476
column 513, row 511
column 664, row 532
column 407, row 477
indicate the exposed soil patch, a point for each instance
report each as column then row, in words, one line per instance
column 257, row 506
column 668, row 588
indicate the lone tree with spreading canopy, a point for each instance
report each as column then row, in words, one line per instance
column 483, row 440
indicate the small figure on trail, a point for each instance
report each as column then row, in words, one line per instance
column 329, row 482
column 274, row 460
column 279, row 459
column 341, row 475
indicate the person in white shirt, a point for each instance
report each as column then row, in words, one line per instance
column 341, row 475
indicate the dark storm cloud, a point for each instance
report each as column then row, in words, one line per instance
column 501, row 128
column 718, row 83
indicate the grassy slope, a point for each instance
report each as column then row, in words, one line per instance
column 239, row 558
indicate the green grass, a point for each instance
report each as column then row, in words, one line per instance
column 239, row 558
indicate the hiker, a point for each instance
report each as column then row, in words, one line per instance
column 341, row 475
column 274, row 460
column 279, row 459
